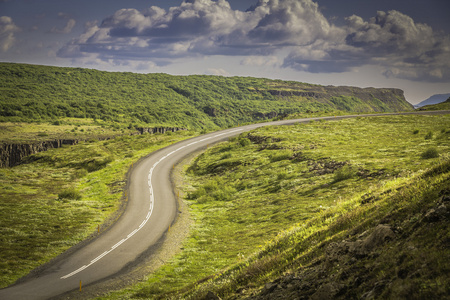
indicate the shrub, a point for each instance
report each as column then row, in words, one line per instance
column 429, row 136
column 416, row 131
column 96, row 164
column 244, row 142
column 346, row 172
column 430, row 153
column 69, row 194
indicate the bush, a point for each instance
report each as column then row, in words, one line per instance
column 96, row 164
column 429, row 136
column 346, row 172
column 416, row 131
column 69, row 194
column 430, row 153
column 244, row 142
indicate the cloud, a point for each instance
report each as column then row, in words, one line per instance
column 7, row 33
column 392, row 40
column 67, row 29
column 196, row 28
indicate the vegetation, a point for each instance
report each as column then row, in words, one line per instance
column 440, row 106
column 65, row 128
column 41, row 93
column 430, row 153
column 278, row 200
column 60, row 197
column 264, row 204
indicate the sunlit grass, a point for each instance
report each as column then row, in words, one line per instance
column 285, row 184
column 64, row 128
column 61, row 196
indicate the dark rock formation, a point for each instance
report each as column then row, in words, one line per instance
column 13, row 154
column 152, row 130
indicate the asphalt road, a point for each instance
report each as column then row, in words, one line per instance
column 151, row 209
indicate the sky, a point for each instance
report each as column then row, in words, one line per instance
column 367, row 43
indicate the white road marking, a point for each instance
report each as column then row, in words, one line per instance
column 151, row 202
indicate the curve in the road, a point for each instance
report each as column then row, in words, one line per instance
column 138, row 229
column 151, row 201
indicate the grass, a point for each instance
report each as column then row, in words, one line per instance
column 66, row 128
column 262, row 207
column 61, row 196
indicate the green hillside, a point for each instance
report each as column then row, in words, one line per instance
column 43, row 93
column 351, row 209
column 440, row 106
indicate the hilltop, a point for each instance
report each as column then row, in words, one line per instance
column 435, row 99
column 439, row 106
column 30, row 93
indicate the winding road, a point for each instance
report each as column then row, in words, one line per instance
column 151, row 209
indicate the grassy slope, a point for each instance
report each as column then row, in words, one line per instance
column 287, row 192
column 440, row 106
column 61, row 196
column 63, row 128
column 41, row 93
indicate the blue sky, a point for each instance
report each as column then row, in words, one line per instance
column 384, row 43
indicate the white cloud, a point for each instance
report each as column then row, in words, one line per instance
column 7, row 33
column 195, row 28
column 67, row 29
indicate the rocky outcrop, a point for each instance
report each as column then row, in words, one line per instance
column 374, row 99
column 13, row 154
column 152, row 130
column 306, row 94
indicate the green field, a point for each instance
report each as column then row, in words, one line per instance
column 269, row 202
column 61, row 197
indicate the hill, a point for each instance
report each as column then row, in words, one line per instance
column 435, row 99
column 42, row 93
column 440, row 106
column 351, row 209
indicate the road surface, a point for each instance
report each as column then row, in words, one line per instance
column 151, row 209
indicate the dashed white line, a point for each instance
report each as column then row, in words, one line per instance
column 150, row 211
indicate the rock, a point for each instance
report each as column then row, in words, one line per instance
column 211, row 296
column 13, row 154
column 379, row 236
column 436, row 214
column 326, row 291
column 152, row 130
column 363, row 247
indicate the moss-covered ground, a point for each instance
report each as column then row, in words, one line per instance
column 264, row 202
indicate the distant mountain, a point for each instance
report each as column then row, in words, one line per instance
column 435, row 99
